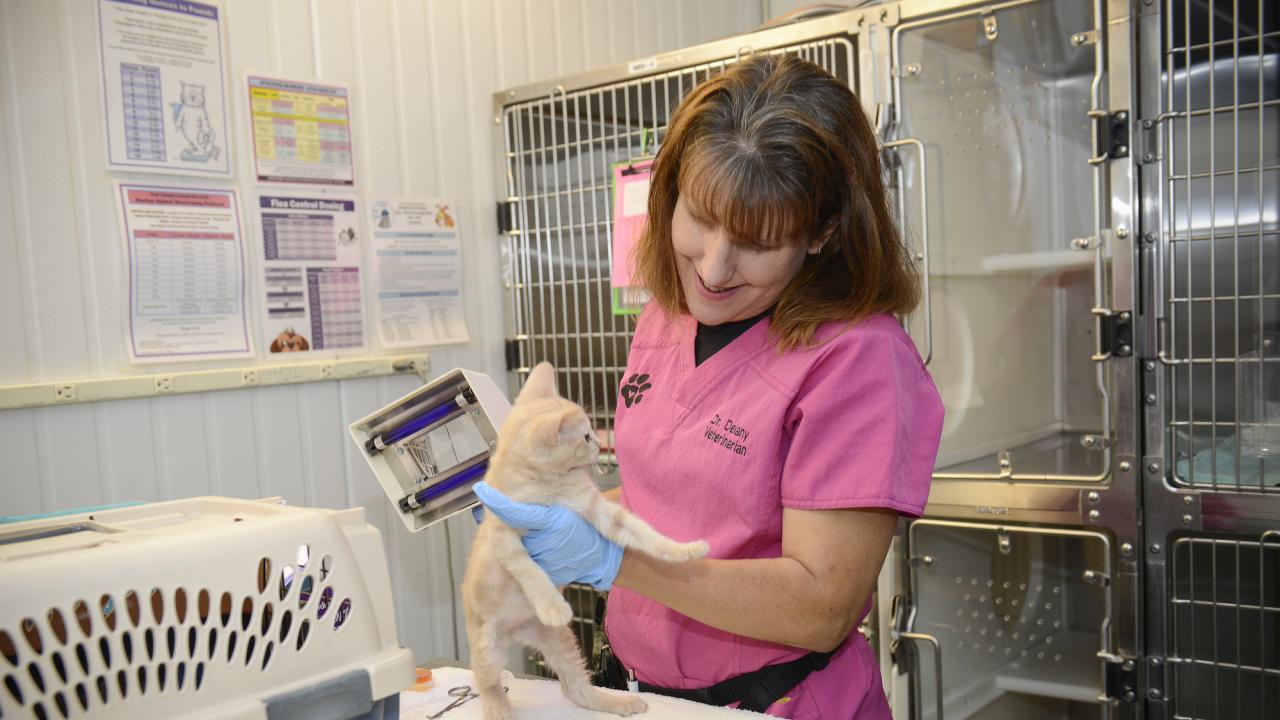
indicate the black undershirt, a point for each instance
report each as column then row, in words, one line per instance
column 711, row 339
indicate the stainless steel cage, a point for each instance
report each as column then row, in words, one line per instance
column 559, row 150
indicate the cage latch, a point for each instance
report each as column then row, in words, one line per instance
column 1093, row 577
column 990, row 27
column 507, row 216
column 1115, row 334
column 1120, row 679
column 1004, row 542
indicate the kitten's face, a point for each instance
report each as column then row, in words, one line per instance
column 193, row 95
column 547, row 429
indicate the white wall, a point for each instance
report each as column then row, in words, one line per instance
column 422, row 73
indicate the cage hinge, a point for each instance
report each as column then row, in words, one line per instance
column 1147, row 142
column 1120, row 682
column 511, row 349
column 1115, row 334
column 923, row 560
column 900, row 653
column 907, row 70
column 1113, row 135
column 507, row 216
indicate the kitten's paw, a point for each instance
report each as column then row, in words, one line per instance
column 627, row 704
column 492, row 712
column 679, row 552
column 554, row 614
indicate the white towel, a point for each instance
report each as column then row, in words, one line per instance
column 542, row 700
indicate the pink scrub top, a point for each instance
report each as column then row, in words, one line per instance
column 717, row 451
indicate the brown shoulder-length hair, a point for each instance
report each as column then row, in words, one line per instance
column 776, row 150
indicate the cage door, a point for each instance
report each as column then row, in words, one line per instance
column 995, row 124
column 1219, row 244
column 1008, row 621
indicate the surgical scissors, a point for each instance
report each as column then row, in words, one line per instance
column 462, row 694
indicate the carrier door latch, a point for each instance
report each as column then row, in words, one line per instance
column 1115, row 334
column 1120, row 679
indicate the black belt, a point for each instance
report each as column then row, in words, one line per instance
column 754, row 691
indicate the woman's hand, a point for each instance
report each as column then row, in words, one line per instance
column 566, row 547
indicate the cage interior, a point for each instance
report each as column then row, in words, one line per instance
column 1019, row 616
column 1000, row 103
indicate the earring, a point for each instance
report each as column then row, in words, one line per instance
column 818, row 249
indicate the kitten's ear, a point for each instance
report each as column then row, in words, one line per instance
column 540, row 384
column 548, row 428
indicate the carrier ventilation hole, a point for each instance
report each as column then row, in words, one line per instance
column 157, row 605
column 126, row 640
column 82, row 695
column 37, row 678
column 266, row 619
column 231, row 646
column 213, row 641
column 326, row 597
column 108, row 608
column 266, row 655
column 326, row 567
column 61, row 701
column 202, row 606
column 15, row 690
column 264, row 574
column 32, row 633
column 304, row 629
column 161, row 676
column 182, row 674
column 104, row 649
column 8, row 649
column 286, row 581
column 59, row 666
column 180, row 605
column 102, row 688
column 286, row 620
column 122, row 681
column 224, row 608
column 171, row 641
column 246, row 613
column 149, row 639
column 133, row 607
column 58, row 626
column 192, row 637
column 304, row 591
column 199, row 675
column 344, row 610
column 249, row 647
column 82, row 657
column 142, row 678
column 81, row 610
column 40, row 714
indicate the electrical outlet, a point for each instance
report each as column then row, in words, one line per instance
column 164, row 384
column 328, row 372
column 250, row 377
column 64, row 393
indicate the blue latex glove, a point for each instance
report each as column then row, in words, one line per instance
column 568, row 548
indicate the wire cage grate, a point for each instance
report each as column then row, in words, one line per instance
column 1220, row 102
column 559, row 152
column 1224, row 634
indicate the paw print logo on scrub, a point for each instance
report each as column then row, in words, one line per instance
column 635, row 388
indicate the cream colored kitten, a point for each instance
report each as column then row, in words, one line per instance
column 546, row 454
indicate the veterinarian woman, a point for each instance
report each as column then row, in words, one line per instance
column 771, row 405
